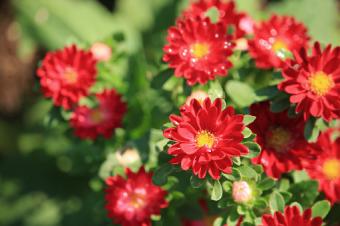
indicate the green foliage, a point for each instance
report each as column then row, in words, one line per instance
column 49, row 177
column 321, row 209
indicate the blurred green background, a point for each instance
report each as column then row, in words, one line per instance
column 45, row 181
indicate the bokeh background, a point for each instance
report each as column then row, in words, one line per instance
column 45, row 180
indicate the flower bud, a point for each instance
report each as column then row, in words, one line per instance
column 198, row 95
column 101, row 51
column 242, row 192
column 127, row 157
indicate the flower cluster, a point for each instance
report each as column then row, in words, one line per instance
column 242, row 150
column 67, row 75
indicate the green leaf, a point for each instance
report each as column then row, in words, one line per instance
column 242, row 210
column 240, row 93
column 159, row 80
column 311, row 132
column 234, row 176
column 284, row 184
column 218, row 221
column 254, row 149
column 321, row 209
column 266, row 93
column 299, row 176
column 248, row 172
column 213, row 14
column 196, row 182
column 266, row 184
column 215, row 90
column 276, row 202
column 247, row 132
column 304, row 192
column 261, row 203
column 216, row 193
column 227, row 186
column 248, row 119
column 160, row 176
column 279, row 105
column 286, row 195
column 225, row 202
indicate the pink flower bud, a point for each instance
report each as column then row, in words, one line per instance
column 101, row 51
column 242, row 192
column 127, row 157
column 198, row 95
column 247, row 25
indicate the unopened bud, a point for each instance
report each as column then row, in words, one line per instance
column 101, row 51
column 242, row 192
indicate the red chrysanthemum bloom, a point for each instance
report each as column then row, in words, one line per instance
column 198, row 50
column 132, row 201
column 281, row 138
column 206, row 138
column 66, row 75
column 326, row 168
column 292, row 216
column 275, row 39
column 314, row 82
column 101, row 120
column 228, row 15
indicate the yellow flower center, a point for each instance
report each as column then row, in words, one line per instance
column 199, row 50
column 320, row 83
column 70, row 75
column 205, row 138
column 278, row 139
column 96, row 116
column 137, row 200
column 331, row 169
column 280, row 48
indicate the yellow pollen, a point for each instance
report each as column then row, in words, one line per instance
column 320, row 83
column 279, row 45
column 331, row 169
column 278, row 139
column 137, row 200
column 205, row 138
column 70, row 75
column 96, row 116
column 280, row 48
column 199, row 50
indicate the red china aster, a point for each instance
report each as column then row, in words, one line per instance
column 198, row 50
column 275, row 39
column 326, row 168
column 66, row 75
column 291, row 216
column 314, row 82
column 206, row 138
column 227, row 14
column 281, row 138
column 132, row 201
column 101, row 120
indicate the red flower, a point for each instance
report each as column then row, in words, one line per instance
column 198, row 50
column 227, row 14
column 276, row 38
column 291, row 216
column 102, row 120
column 314, row 82
column 132, row 201
column 66, row 75
column 281, row 138
column 326, row 168
column 206, row 138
